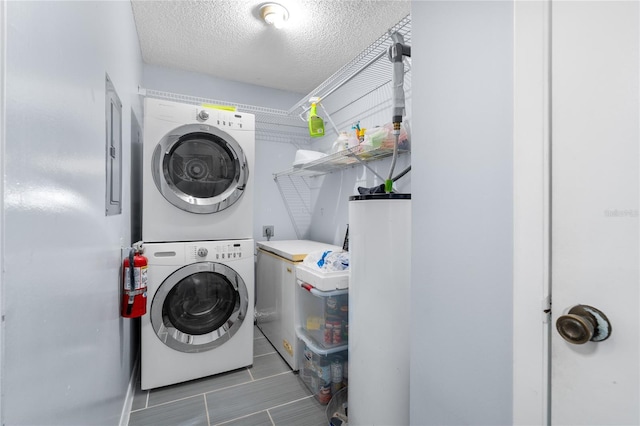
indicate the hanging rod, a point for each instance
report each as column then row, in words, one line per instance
column 197, row 101
column 262, row 114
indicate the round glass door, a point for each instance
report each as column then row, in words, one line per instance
column 199, row 307
column 200, row 169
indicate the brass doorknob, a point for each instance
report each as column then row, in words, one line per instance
column 582, row 324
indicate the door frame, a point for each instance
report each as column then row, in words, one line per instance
column 531, row 212
column 3, row 120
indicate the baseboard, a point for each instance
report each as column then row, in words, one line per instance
column 131, row 390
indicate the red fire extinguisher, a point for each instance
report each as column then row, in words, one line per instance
column 134, row 295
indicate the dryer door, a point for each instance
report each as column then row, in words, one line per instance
column 199, row 168
column 199, row 307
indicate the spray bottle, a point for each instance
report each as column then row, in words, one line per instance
column 316, row 123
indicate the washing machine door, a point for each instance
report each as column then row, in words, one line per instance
column 199, row 307
column 200, row 168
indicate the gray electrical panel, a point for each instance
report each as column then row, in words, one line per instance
column 113, row 201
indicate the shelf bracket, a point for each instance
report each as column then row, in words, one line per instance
column 367, row 166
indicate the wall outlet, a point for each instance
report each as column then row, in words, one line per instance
column 267, row 231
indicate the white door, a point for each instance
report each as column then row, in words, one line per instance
column 594, row 231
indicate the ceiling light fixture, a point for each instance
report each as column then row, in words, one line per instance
column 274, row 14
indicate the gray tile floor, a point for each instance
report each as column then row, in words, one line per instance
column 267, row 393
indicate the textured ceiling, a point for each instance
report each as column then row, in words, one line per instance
column 226, row 39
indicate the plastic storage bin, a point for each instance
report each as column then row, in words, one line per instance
column 321, row 280
column 323, row 371
column 323, row 331
column 323, row 316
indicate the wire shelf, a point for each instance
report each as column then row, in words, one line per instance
column 361, row 62
column 339, row 160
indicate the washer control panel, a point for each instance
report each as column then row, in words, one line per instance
column 228, row 251
column 215, row 251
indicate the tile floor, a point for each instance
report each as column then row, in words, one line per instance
column 267, row 393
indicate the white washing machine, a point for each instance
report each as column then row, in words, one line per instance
column 197, row 173
column 199, row 319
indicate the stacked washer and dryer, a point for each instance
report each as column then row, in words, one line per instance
column 197, row 229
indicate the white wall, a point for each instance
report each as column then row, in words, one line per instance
column 205, row 86
column 461, row 354
column 274, row 152
column 68, row 355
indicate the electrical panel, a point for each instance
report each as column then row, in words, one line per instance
column 113, row 200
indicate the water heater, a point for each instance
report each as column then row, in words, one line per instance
column 379, row 308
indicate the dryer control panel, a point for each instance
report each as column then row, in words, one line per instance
column 230, row 120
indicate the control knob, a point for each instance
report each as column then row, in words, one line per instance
column 203, row 115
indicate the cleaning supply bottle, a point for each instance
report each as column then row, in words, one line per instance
column 361, row 134
column 341, row 143
column 316, row 123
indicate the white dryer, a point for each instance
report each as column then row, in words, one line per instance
column 199, row 319
column 197, row 173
